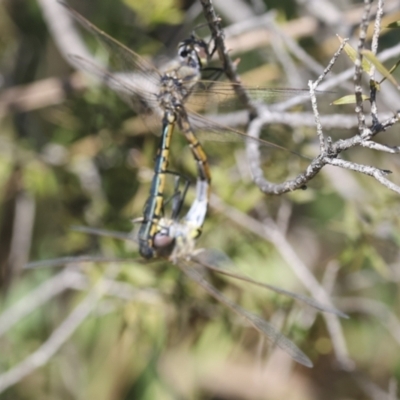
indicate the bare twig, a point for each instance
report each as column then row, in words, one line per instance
column 329, row 151
column 359, row 110
column 330, row 65
column 377, row 28
column 374, row 49
column 228, row 66
column 249, row 35
column 320, row 134
column 378, row 174
column 337, row 80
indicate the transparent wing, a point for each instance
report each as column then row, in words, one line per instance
column 190, row 269
column 137, row 82
column 128, row 74
column 126, row 60
column 218, row 261
column 215, row 97
column 121, row 57
column 105, row 233
column 212, row 94
column 206, row 129
column 59, row 262
column 125, row 84
column 144, row 101
column 262, row 326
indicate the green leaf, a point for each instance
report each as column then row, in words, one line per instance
column 394, row 25
column 394, row 67
column 370, row 56
column 352, row 54
column 350, row 99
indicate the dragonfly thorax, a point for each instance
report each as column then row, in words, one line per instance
column 172, row 92
column 182, row 74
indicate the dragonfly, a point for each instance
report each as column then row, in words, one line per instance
column 176, row 240
column 169, row 95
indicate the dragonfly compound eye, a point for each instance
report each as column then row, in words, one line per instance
column 162, row 241
column 183, row 51
column 163, row 244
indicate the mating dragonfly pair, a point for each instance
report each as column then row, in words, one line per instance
column 168, row 95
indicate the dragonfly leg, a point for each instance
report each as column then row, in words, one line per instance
column 179, row 198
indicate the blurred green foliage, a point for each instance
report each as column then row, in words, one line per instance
column 156, row 12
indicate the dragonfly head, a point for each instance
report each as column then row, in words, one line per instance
column 194, row 52
column 146, row 251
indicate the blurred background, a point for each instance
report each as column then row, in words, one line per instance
column 73, row 153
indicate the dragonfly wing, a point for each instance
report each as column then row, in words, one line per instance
column 128, row 85
column 212, row 95
column 130, row 75
column 277, row 338
column 219, row 262
column 262, row 326
column 205, row 129
column 215, row 258
column 121, row 57
column 137, row 93
column 59, row 262
column 105, row 233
